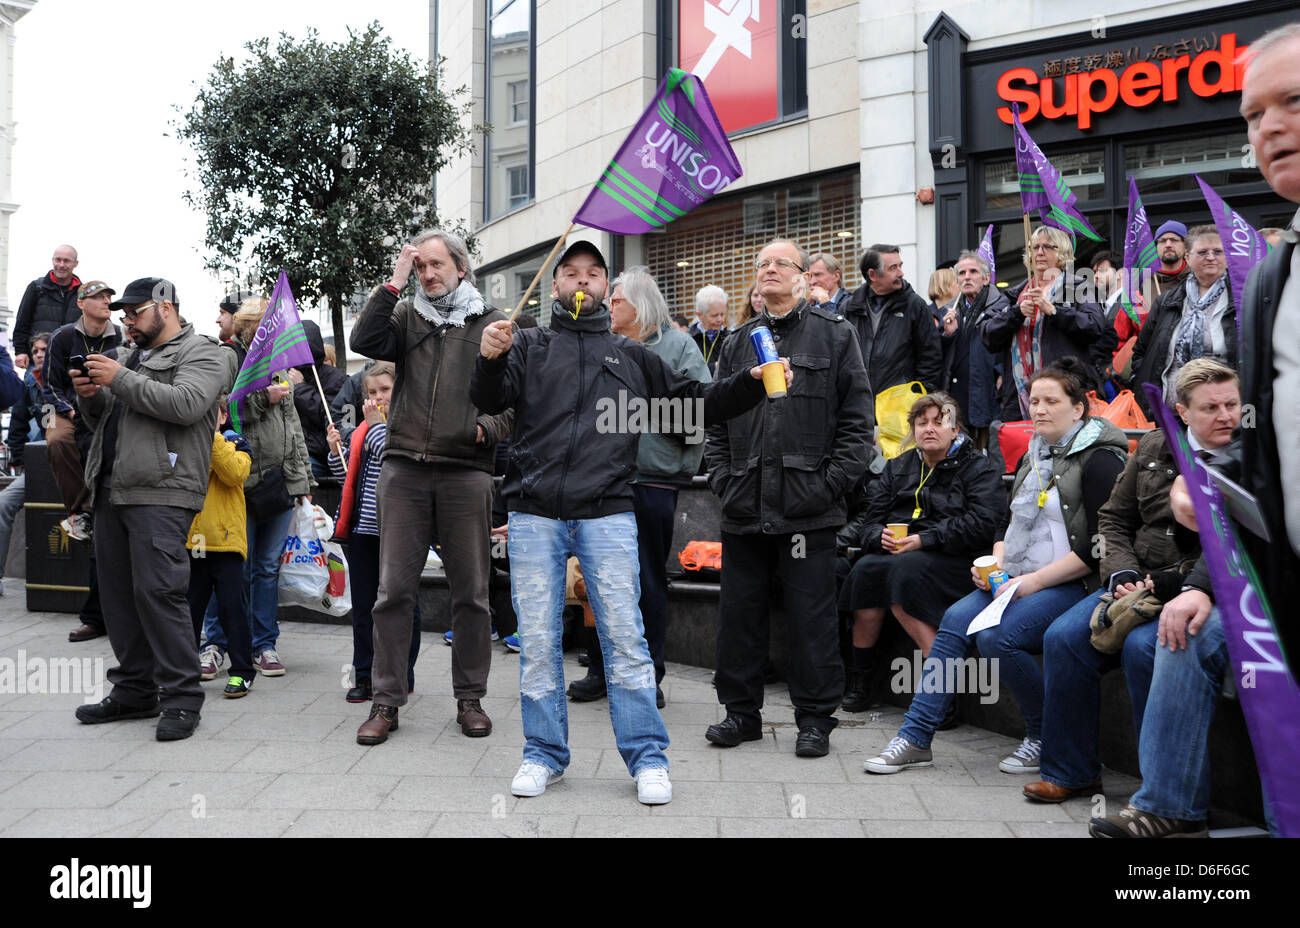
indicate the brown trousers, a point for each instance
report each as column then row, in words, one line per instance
column 65, row 461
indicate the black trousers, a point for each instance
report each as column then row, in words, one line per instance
column 144, row 578
column 363, row 562
column 221, row 574
column 654, row 508
column 805, row 564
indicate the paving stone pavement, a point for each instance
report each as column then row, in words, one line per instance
column 283, row 761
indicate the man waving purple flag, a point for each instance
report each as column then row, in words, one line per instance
column 280, row 343
column 676, row 157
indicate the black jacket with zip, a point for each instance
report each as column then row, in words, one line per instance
column 572, row 452
column 906, row 347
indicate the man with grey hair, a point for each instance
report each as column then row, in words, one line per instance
column 969, row 370
column 437, row 472
column 709, row 330
column 826, row 283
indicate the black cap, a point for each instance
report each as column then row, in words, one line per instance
column 231, row 302
column 581, row 246
column 144, row 289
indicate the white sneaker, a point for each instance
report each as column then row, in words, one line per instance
column 1023, row 759
column 532, row 779
column 210, row 660
column 652, row 786
column 77, row 526
column 433, row 562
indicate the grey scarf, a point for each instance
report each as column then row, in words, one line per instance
column 452, row 308
column 1190, row 341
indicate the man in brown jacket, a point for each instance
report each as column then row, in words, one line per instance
column 437, row 472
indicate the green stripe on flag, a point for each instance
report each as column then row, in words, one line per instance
column 635, row 210
column 646, row 193
column 680, row 127
column 1148, row 255
column 650, row 204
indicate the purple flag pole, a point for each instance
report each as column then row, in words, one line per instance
column 1243, row 246
column 986, row 252
column 1269, row 697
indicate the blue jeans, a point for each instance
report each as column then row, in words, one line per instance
column 1011, row 643
column 606, row 549
column 261, row 577
column 1174, row 750
column 11, row 503
column 1073, row 668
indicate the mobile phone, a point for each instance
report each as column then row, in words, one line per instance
column 77, row 363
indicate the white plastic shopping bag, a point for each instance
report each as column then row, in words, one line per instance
column 304, row 570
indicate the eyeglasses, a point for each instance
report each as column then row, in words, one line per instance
column 784, row 264
column 1042, row 247
column 1208, row 253
column 129, row 313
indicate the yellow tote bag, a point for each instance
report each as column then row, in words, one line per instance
column 892, row 406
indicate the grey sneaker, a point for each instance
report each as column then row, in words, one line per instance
column 898, row 756
column 1023, row 759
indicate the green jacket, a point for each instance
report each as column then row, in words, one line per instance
column 274, row 436
column 669, row 458
column 169, row 408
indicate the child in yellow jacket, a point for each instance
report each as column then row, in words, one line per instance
column 218, row 543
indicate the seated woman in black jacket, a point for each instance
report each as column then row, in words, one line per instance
column 951, row 498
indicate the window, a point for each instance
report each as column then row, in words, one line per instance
column 1167, row 167
column 508, row 146
column 1084, row 171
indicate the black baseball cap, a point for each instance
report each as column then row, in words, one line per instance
column 581, row 246
column 145, row 289
column 231, row 302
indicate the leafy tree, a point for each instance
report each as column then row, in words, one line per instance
column 318, row 158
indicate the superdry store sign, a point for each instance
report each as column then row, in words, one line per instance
column 732, row 45
column 1142, row 77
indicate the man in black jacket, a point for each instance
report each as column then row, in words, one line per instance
column 894, row 325
column 782, row 473
column 48, row 303
column 577, row 391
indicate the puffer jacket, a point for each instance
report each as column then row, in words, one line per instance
column 962, row 503
column 169, row 402
column 905, row 348
column 46, row 305
column 571, row 454
column 222, row 525
column 788, row 465
column 432, row 418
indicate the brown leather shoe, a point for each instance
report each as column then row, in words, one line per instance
column 375, row 729
column 85, row 632
column 1042, row 791
column 471, row 718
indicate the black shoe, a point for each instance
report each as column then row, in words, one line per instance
column 732, row 730
column 177, row 724
column 588, row 689
column 110, row 710
column 362, row 693
column 950, row 720
column 858, row 696
column 659, row 697
column 812, row 742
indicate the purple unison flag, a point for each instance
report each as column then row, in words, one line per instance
column 675, row 158
column 986, row 252
column 280, row 343
column 1269, row 697
column 1243, row 246
column 1042, row 187
column 1139, row 250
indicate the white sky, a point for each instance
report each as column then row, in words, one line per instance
column 95, row 86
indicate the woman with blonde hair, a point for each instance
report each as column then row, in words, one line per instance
column 943, row 292
column 270, row 426
column 1046, row 320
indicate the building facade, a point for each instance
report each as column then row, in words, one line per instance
column 853, row 125
column 10, row 12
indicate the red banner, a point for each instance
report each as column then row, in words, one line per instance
column 732, row 45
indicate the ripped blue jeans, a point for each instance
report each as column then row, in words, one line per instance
column 606, row 549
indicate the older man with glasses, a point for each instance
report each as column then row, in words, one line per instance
column 782, row 472
column 1196, row 319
